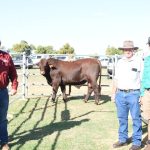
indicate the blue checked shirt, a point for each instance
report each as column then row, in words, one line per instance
column 145, row 83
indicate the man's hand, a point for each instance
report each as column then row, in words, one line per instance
column 141, row 100
column 114, row 90
column 13, row 92
column 113, row 98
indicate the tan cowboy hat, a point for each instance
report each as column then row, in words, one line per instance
column 128, row 45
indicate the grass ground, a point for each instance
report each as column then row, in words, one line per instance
column 38, row 124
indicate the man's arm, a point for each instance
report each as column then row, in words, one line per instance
column 114, row 89
column 13, row 77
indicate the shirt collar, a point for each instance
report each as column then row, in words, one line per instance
column 126, row 59
column 1, row 52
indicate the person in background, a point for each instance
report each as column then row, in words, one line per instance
column 7, row 73
column 126, row 94
column 145, row 93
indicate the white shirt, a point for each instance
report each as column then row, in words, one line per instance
column 128, row 73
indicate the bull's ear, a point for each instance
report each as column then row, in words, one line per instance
column 51, row 66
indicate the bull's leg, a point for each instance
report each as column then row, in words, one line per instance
column 55, row 89
column 96, row 93
column 90, row 90
column 99, row 90
column 63, row 90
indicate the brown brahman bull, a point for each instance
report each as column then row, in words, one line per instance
column 62, row 73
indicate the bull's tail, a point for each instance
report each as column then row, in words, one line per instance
column 100, row 74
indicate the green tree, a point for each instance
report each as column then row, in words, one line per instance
column 45, row 50
column 113, row 51
column 23, row 46
column 66, row 49
column 32, row 46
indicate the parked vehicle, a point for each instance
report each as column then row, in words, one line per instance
column 111, row 65
column 61, row 57
column 81, row 57
column 104, row 61
column 37, row 57
column 18, row 61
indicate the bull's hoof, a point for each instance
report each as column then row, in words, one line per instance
column 85, row 101
column 53, row 100
column 97, row 103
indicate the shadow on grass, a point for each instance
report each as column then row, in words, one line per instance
column 19, row 139
column 65, row 116
column 38, row 133
column 34, row 107
column 144, row 130
column 103, row 98
column 38, row 122
column 20, row 112
column 27, row 119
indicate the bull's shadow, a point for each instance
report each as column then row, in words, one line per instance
column 103, row 98
column 38, row 133
column 41, row 132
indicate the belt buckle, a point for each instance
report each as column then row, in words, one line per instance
column 127, row 91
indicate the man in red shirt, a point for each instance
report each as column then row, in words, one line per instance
column 7, row 73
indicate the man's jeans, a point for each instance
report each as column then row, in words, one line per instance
column 125, row 102
column 4, row 101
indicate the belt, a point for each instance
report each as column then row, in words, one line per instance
column 129, row 90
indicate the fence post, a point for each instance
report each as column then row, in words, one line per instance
column 24, row 76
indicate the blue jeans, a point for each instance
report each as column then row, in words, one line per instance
column 4, row 101
column 126, row 102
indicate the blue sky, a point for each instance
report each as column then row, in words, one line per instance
column 89, row 26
